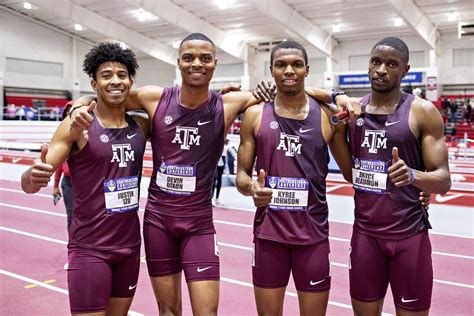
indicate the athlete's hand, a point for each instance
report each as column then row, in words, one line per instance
column 399, row 173
column 425, row 199
column 351, row 105
column 261, row 195
column 265, row 91
column 40, row 171
column 56, row 191
column 231, row 87
column 81, row 117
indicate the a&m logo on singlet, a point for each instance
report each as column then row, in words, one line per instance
column 122, row 153
column 374, row 140
column 290, row 144
column 186, row 136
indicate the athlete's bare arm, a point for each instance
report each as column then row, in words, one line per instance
column 144, row 124
column 144, row 98
column 335, row 137
column 52, row 156
column 235, row 103
column 246, row 158
column 427, row 125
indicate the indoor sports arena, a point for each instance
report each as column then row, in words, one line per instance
column 237, row 157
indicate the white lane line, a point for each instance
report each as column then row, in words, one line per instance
column 20, row 232
column 47, row 286
column 30, row 209
column 19, row 191
column 220, row 244
column 225, row 223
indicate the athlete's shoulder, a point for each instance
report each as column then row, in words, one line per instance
column 423, row 106
column 255, row 109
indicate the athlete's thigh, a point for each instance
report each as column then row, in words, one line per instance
column 125, row 274
column 271, row 264
column 89, row 281
column 411, row 273
column 200, row 257
column 162, row 251
column 368, row 269
column 311, row 267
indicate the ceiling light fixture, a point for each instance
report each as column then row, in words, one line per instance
column 176, row 44
column 398, row 22
column 336, row 28
column 453, row 16
column 143, row 15
column 27, row 5
column 78, row 27
column 222, row 5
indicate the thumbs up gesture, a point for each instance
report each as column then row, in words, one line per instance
column 399, row 173
column 39, row 174
column 261, row 195
column 81, row 117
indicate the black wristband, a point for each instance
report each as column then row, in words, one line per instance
column 334, row 94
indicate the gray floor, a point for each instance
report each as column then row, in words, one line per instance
column 445, row 219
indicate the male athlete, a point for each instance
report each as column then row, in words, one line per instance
column 105, row 163
column 398, row 150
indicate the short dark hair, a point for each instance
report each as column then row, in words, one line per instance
column 197, row 37
column 289, row 44
column 109, row 51
column 396, row 43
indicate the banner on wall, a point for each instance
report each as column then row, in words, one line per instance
column 431, row 83
column 363, row 79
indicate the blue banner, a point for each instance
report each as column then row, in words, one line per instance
column 363, row 79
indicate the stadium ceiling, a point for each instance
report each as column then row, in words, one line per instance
column 154, row 27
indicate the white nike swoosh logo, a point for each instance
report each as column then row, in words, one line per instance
column 441, row 199
column 305, row 130
column 203, row 123
column 317, row 282
column 132, row 287
column 199, row 269
column 391, row 123
column 131, row 136
column 408, row 301
column 15, row 160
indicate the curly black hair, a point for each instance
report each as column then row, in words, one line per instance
column 109, row 51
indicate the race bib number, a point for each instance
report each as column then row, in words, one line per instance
column 121, row 195
column 369, row 175
column 289, row 194
column 176, row 179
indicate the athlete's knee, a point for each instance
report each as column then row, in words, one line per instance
column 167, row 309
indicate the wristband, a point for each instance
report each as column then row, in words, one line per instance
column 412, row 176
column 334, row 94
column 73, row 109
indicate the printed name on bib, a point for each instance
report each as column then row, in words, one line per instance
column 369, row 175
column 289, row 194
column 121, row 195
column 176, row 179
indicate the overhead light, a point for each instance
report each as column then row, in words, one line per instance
column 143, row 15
column 453, row 16
column 398, row 22
column 176, row 44
column 222, row 5
column 78, row 27
column 123, row 45
column 27, row 5
column 336, row 28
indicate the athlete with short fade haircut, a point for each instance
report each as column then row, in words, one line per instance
column 398, row 150
column 289, row 137
column 105, row 164
column 190, row 124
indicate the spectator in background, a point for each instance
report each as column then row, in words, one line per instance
column 66, row 184
column 10, row 112
column 453, row 108
column 218, row 175
column 468, row 111
column 231, row 157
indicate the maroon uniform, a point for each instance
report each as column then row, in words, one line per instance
column 390, row 223
column 104, row 240
column 294, row 155
column 187, row 144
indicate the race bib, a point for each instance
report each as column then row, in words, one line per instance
column 176, row 179
column 289, row 194
column 121, row 195
column 369, row 175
